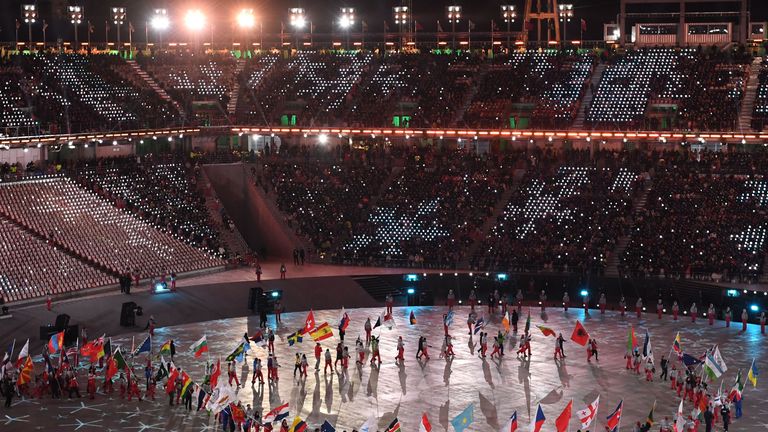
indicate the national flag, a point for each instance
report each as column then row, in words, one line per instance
column 680, row 420
column 295, row 338
column 588, row 414
column 412, row 318
column 424, row 425
column 479, row 325
column 377, row 323
column 527, row 321
column 511, row 425
column 712, row 368
column 145, row 346
column 647, row 349
column 119, row 359
column 737, row 389
column 199, row 347
column 186, row 382
column 583, row 25
column 215, row 373
column 719, row 359
column 689, row 360
column 614, row 419
column 538, row 421
column 220, row 398
column 25, row 373
column 201, row 398
column 752, row 374
column 470, row 25
column 564, row 419
column 166, row 348
column 106, row 348
column 173, row 374
column 298, row 425
column 323, row 332
column 277, row 414
column 505, row 322
column 258, row 337
column 344, row 322
column 238, row 414
column 631, row 339
column 309, row 323
column 23, row 354
column 394, row 426
column 439, row 27
column 386, row 26
column 580, row 335
column 56, row 342
column 236, row 353
column 650, row 420
column 162, row 372
column 463, row 420
column 327, row 427
column 91, row 349
column 677, row 346
column 547, row 331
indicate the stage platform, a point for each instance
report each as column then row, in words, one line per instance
column 441, row 388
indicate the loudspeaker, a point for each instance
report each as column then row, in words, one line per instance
column 62, row 322
column 128, row 314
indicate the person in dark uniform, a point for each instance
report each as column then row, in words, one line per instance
column 725, row 413
column 664, row 368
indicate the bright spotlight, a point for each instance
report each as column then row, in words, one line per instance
column 754, row 308
column 322, row 139
column 347, row 17
column 195, row 19
column 584, row 293
column 298, row 17
column 159, row 20
column 246, row 18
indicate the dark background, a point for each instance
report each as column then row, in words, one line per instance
column 322, row 13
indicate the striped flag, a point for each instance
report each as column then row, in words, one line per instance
column 588, row 414
column 199, row 347
column 424, row 425
column 511, row 425
column 752, row 374
column 677, row 345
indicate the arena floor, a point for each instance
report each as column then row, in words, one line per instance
column 440, row 388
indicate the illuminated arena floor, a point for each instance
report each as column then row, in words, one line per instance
column 440, row 388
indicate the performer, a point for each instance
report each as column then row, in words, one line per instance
column 566, row 301
column 694, row 312
column 744, row 319
column 519, row 298
column 543, row 300
column 622, row 306
column 257, row 371
column 585, row 304
column 339, row 355
column 360, row 348
column 449, row 347
column 561, row 344
column 728, row 315
column 639, row 308
column 711, row 314
column 304, row 365
column 673, row 377
column 92, row 383
column 637, row 362
column 496, row 349
column 232, row 372
column 375, row 350
column 659, row 308
column 328, row 360
column 389, row 301
column 471, row 319
column 762, row 322
column 472, row 300
column 649, row 369
column 319, row 353
column 664, row 368
column 451, row 299
column 368, row 330
column 258, row 272
column 514, row 319
column 422, row 349
column 483, row 344
column 603, row 303
column 278, row 310
column 675, row 310
column 400, row 350
column 629, row 357
column 296, row 365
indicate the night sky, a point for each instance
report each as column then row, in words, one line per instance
column 321, row 12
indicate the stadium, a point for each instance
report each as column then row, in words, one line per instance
column 196, row 196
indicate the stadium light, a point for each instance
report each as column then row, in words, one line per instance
column 246, row 18
column 159, row 20
column 75, row 18
column 508, row 13
column 454, row 14
column 298, row 18
column 195, row 20
column 29, row 14
column 118, row 17
column 400, row 14
column 754, row 308
column 347, row 18
column 565, row 11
